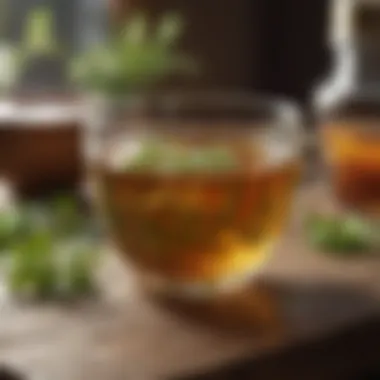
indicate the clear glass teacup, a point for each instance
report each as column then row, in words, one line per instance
column 195, row 188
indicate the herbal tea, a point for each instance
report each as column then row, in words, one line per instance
column 353, row 152
column 196, row 213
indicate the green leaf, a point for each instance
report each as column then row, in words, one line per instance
column 66, row 217
column 340, row 235
column 148, row 157
column 169, row 30
column 32, row 269
column 32, row 218
column 10, row 67
column 80, row 273
column 46, row 261
column 39, row 34
column 9, row 223
column 135, row 59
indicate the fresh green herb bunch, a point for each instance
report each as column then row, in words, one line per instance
column 50, row 250
column 340, row 235
column 137, row 57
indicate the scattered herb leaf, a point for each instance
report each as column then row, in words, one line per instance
column 340, row 235
column 32, row 271
column 50, row 249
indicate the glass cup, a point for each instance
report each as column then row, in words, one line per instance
column 195, row 188
column 351, row 144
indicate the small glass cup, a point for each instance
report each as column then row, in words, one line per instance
column 351, row 144
column 40, row 142
column 195, row 188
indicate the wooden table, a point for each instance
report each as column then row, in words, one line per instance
column 307, row 317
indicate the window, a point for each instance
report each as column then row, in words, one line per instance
column 78, row 22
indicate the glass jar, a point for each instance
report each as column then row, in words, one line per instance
column 348, row 104
column 40, row 142
column 195, row 188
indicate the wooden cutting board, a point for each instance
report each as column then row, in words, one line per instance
column 301, row 297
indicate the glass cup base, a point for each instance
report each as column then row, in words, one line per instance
column 157, row 285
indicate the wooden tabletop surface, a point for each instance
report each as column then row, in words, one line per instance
column 299, row 303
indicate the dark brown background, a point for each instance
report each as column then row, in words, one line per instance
column 268, row 45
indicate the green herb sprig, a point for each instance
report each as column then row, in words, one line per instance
column 134, row 59
column 50, row 250
column 343, row 236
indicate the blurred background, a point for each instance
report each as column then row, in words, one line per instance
column 249, row 45
column 272, row 47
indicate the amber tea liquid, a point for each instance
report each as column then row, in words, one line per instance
column 199, row 227
column 353, row 153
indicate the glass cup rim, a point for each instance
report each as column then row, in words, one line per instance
column 195, row 105
column 201, row 112
column 206, row 98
